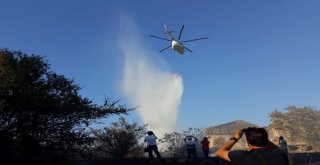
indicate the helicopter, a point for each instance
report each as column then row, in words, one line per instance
column 176, row 44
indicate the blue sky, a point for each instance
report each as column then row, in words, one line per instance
column 260, row 55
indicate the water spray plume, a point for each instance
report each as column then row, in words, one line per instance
column 148, row 84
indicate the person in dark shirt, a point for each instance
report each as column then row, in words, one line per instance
column 205, row 147
column 261, row 150
column 283, row 145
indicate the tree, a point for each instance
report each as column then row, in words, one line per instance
column 220, row 141
column 44, row 107
column 299, row 123
column 120, row 138
column 174, row 141
column 174, row 144
column 196, row 132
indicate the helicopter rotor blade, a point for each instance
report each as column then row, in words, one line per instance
column 159, row 38
column 188, row 49
column 195, row 39
column 180, row 32
column 165, row 48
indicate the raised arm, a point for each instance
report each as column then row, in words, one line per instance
column 225, row 149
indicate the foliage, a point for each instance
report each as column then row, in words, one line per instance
column 119, row 138
column 42, row 107
column 299, row 122
column 196, row 132
column 174, row 141
column 220, row 141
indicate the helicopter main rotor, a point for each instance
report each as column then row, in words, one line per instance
column 176, row 43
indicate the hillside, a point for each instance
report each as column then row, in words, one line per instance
column 229, row 128
column 220, row 134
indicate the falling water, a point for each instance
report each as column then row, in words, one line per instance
column 148, row 84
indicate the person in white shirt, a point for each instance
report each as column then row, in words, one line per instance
column 191, row 142
column 151, row 141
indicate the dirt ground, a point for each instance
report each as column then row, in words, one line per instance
column 295, row 159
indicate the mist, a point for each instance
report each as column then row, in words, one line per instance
column 148, row 83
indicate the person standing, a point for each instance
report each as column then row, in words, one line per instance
column 191, row 142
column 151, row 141
column 205, row 147
column 261, row 150
column 283, row 145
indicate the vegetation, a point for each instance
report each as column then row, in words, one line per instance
column 219, row 142
column 43, row 112
column 120, row 138
column 174, row 142
column 299, row 123
column 43, row 118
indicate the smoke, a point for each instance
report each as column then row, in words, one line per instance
column 148, row 83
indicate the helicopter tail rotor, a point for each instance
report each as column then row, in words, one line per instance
column 166, row 31
column 164, row 26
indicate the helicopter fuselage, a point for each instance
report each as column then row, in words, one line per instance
column 177, row 46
